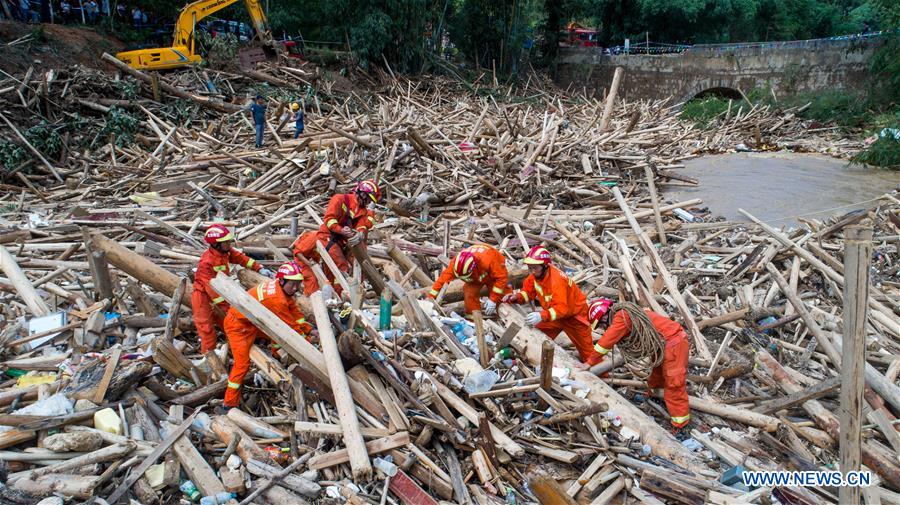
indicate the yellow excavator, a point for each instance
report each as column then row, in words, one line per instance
column 184, row 51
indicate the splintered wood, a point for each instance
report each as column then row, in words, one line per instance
column 102, row 216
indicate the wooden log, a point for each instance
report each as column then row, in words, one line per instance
column 292, row 481
column 202, row 395
column 857, row 255
column 548, row 491
column 611, row 98
column 811, row 393
column 379, row 446
column 547, row 351
column 291, row 342
column 76, row 486
column 326, row 429
column 666, row 487
column 654, row 200
column 226, row 429
column 23, row 286
column 140, row 267
column 407, row 264
column 372, row 274
column 195, row 466
column 253, row 426
column 876, row 459
column 529, row 342
column 340, row 388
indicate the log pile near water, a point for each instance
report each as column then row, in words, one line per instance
column 99, row 241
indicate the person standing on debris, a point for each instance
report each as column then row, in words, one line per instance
column 258, row 111
column 644, row 335
column 276, row 295
column 477, row 266
column 347, row 222
column 210, row 308
column 564, row 305
column 298, row 119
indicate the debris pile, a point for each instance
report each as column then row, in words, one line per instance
column 106, row 198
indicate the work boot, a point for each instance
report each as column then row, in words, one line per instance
column 684, row 432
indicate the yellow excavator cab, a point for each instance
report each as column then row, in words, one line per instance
column 183, row 51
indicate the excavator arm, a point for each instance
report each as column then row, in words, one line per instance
column 183, row 51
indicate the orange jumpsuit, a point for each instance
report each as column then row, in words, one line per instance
column 565, row 308
column 306, row 245
column 490, row 270
column 242, row 334
column 344, row 211
column 672, row 373
column 210, row 308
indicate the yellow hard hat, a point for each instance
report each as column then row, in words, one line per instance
column 295, row 106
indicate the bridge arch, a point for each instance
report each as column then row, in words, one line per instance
column 719, row 91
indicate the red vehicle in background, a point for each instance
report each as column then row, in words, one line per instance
column 576, row 35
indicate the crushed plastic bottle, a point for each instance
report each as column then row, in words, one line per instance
column 481, row 381
column 190, row 490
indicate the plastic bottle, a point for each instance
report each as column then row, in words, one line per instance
column 385, row 306
column 504, row 353
column 481, row 381
column 190, row 490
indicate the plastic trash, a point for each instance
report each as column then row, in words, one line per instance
column 386, row 467
column 691, row 444
column 190, row 490
column 684, row 215
column 108, row 420
column 481, row 381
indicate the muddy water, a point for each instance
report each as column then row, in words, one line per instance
column 777, row 187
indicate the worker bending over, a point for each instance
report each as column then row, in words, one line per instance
column 627, row 321
column 276, row 295
column 210, row 308
column 565, row 306
column 306, row 254
column 347, row 222
column 477, row 266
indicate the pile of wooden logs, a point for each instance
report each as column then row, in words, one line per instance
column 97, row 246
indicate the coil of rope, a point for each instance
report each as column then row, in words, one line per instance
column 643, row 348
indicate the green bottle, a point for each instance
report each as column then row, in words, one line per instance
column 504, row 353
column 384, row 311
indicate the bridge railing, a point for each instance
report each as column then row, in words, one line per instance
column 653, row 48
column 790, row 44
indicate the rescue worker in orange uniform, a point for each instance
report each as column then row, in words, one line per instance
column 277, row 295
column 210, row 308
column 347, row 221
column 564, row 305
column 305, row 246
column 671, row 374
column 477, row 266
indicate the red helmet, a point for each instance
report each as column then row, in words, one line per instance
column 217, row 233
column 538, row 255
column 597, row 309
column 289, row 271
column 464, row 264
column 369, row 188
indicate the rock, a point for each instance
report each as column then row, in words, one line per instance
column 82, row 405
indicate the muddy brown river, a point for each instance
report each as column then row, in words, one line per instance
column 777, row 187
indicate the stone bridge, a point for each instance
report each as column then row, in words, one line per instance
column 725, row 69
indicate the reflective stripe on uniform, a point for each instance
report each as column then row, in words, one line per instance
column 259, row 292
column 539, row 289
column 602, row 350
column 524, row 296
column 497, row 290
column 301, row 320
column 234, row 385
column 331, row 222
column 434, row 292
column 220, row 268
column 217, row 300
column 250, row 262
column 552, row 314
column 275, row 346
column 681, row 419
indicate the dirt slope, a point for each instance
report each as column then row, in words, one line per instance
column 52, row 46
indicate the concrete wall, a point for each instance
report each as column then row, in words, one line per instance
column 786, row 67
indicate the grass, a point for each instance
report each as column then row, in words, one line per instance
column 884, row 153
column 702, row 112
